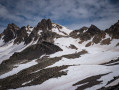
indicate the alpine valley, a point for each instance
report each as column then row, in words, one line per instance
column 52, row 57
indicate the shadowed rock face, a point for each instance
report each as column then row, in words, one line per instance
column 76, row 33
column 83, row 29
column 21, row 35
column 98, row 37
column 113, row 31
column 89, row 82
column 48, row 37
column 93, row 30
column 49, row 24
column 10, row 32
column 44, row 26
column 116, row 87
column 88, row 44
column 35, row 51
column 85, row 33
column 36, row 78
column 106, row 41
column 30, row 53
column 33, row 34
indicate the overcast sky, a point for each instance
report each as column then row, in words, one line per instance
column 70, row 13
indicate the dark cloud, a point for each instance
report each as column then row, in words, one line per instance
column 71, row 13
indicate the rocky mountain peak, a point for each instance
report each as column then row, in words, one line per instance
column 93, row 27
column 44, row 25
column 52, row 53
column 49, row 24
column 22, row 35
column 10, row 32
column 113, row 31
column 75, row 33
column 85, row 33
column 42, row 32
column 12, row 26
column 84, row 28
column 28, row 28
column 93, row 30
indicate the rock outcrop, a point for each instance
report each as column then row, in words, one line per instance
column 113, row 31
column 44, row 25
column 33, row 52
column 93, row 30
column 76, row 33
column 10, row 32
column 43, row 28
column 21, row 35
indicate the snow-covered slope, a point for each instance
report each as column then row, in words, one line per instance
column 61, row 30
column 70, row 60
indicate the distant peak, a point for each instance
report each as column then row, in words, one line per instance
column 93, row 27
column 10, row 32
column 12, row 26
column 84, row 28
column 93, row 30
column 45, row 21
column 45, row 24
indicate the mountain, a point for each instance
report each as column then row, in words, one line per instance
column 52, row 57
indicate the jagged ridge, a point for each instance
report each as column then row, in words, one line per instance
column 54, row 48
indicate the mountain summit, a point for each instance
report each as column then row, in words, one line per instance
column 52, row 57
